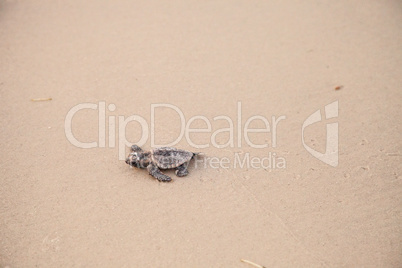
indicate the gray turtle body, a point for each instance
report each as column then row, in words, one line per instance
column 160, row 158
column 169, row 157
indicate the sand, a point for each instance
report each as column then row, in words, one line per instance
column 65, row 206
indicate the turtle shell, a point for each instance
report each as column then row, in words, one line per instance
column 168, row 157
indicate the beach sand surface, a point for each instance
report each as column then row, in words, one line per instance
column 65, row 206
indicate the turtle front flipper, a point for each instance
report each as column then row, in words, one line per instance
column 135, row 148
column 155, row 172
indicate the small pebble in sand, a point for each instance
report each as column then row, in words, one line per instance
column 338, row 87
column 252, row 263
column 42, row 99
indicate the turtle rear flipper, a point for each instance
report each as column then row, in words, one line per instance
column 182, row 170
column 155, row 172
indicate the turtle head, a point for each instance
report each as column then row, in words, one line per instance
column 138, row 159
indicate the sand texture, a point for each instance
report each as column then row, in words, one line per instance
column 66, row 206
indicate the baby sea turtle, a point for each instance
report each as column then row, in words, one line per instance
column 160, row 158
